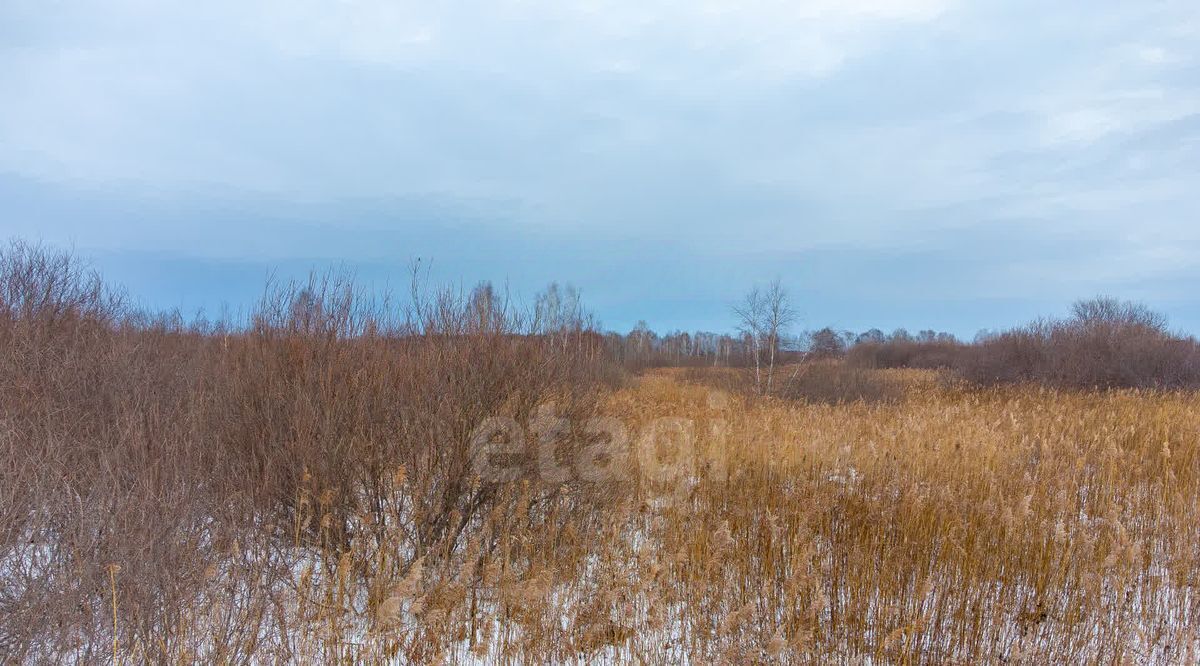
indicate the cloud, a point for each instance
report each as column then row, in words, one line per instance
column 718, row 131
column 202, row 93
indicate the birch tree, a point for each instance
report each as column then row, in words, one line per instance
column 763, row 317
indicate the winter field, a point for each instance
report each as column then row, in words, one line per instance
column 337, row 482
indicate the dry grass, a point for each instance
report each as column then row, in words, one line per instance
column 955, row 527
column 1010, row 525
column 824, row 381
column 307, row 489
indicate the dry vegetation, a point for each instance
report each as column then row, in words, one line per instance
column 308, row 489
column 1104, row 343
column 952, row 527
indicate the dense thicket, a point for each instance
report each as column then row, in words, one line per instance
column 143, row 461
column 1105, row 343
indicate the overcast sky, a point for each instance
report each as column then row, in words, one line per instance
column 918, row 163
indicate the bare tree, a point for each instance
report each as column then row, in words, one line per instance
column 764, row 316
column 826, row 343
column 1107, row 311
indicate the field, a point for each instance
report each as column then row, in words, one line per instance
column 338, row 482
column 953, row 525
column 615, row 332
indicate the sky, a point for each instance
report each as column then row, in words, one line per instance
column 918, row 163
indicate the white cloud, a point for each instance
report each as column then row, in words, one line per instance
column 722, row 127
column 1088, row 118
column 170, row 93
column 601, row 113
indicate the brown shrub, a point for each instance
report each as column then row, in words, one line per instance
column 144, row 461
column 835, row 382
column 1105, row 344
column 930, row 355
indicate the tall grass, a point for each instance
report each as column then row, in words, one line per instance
column 308, row 488
column 998, row 526
column 825, row 381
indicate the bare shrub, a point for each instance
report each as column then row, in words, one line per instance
column 48, row 289
column 826, row 343
column 1106, row 343
column 155, row 471
column 836, row 382
column 905, row 353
